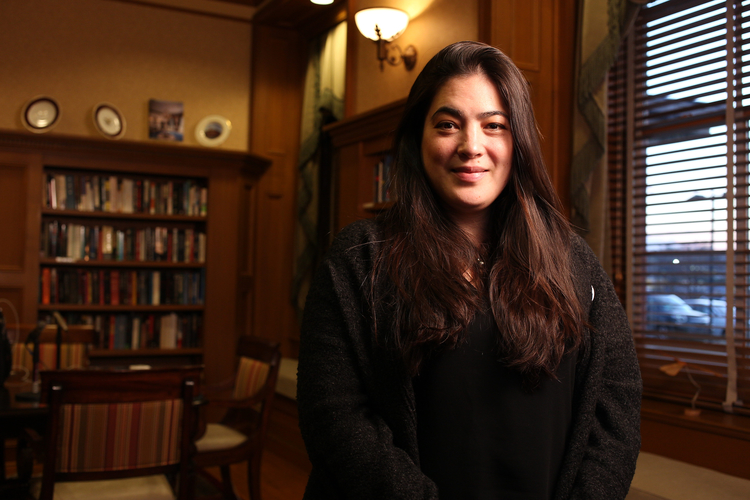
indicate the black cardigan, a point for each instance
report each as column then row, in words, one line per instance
column 356, row 403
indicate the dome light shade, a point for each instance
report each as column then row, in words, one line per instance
column 390, row 23
column 322, row 2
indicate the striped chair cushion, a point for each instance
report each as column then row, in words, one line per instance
column 71, row 356
column 106, row 437
column 251, row 375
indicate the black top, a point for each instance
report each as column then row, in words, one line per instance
column 482, row 435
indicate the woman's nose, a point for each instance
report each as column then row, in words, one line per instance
column 470, row 146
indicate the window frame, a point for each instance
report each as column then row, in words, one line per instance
column 625, row 147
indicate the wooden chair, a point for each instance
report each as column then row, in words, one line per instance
column 116, row 433
column 240, row 435
column 76, row 342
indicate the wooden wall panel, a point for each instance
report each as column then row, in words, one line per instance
column 528, row 35
column 20, row 209
column 13, row 215
column 539, row 35
column 221, row 275
column 279, row 57
column 667, row 436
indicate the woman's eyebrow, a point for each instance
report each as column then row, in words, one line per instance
column 459, row 114
column 487, row 114
column 449, row 111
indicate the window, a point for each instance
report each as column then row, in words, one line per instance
column 679, row 114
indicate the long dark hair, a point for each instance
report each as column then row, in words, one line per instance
column 526, row 276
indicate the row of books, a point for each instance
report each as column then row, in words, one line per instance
column 142, row 331
column 110, row 193
column 121, row 287
column 382, row 177
column 94, row 242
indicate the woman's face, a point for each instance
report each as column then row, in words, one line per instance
column 467, row 145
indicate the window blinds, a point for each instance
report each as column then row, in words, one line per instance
column 679, row 199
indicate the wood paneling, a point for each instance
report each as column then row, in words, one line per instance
column 714, row 439
column 279, row 57
column 20, row 209
column 539, row 35
column 13, row 186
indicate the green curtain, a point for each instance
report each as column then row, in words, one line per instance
column 323, row 103
column 602, row 24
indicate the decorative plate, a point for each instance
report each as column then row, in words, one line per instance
column 40, row 114
column 109, row 121
column 213, row 130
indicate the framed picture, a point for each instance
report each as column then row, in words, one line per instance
column 165, row 120
column 213, row 130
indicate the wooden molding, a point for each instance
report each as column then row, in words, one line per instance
column 374, row 123
column 128, row 151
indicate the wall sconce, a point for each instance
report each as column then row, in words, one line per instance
column 383, row 25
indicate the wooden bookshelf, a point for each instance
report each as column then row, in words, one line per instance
column 360, row 144
column 220, row 224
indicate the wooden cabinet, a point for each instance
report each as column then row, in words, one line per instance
column 142, row 251
column 360, row 144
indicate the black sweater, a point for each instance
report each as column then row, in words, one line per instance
column 356, row 401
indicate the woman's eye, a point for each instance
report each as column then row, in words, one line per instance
column 446, row 126
column 496, row 126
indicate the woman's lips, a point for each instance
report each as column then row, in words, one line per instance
column 469, row 174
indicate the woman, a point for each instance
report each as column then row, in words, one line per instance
column 466, row 344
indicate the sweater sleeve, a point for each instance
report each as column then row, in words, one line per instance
column 349, row 441
column 610, row 394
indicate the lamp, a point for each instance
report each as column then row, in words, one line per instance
column 321, row 2
column 384, row 25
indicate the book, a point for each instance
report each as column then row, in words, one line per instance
column 46, row 284
column 114, row 292
column 135, row 333
column 155, row 288
column 70, row 195
column 107, row 242
column 52, row 190
column 204, row 202
column 168, row 331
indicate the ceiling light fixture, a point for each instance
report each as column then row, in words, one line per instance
column 322, row 2
column 383, row 25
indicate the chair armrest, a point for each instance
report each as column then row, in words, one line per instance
column 214, row 390
column 230, row 402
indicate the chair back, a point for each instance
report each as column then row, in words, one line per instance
column 76, row 342
column 257, row 373
column 107, row 424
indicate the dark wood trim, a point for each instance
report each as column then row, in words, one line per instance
column 374, row 123
column 131, row 151
column 712, row 421
column 206, row 13
column 715, row 440
column 484, row 24
column 350, row 92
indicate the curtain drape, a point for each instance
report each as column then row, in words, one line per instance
column 323, row 103
column 602, row 24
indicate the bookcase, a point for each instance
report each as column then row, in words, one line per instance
column 361, row 157
column 151, row 243
column 126, row 254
